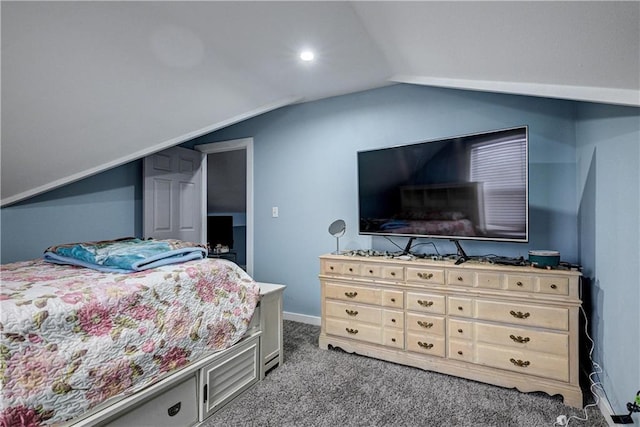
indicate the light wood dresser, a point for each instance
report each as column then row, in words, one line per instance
column 509, row 326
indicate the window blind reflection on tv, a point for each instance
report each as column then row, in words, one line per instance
column 463, row 187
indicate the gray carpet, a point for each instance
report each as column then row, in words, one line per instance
column 317, row 387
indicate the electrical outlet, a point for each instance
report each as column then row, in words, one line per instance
column 274, row 212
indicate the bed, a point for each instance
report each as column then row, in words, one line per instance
column 73, row 338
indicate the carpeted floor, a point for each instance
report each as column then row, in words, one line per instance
column 317, row 387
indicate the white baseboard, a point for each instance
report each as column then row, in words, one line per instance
column 302, row 318
column 605, row 407
column 607, row 410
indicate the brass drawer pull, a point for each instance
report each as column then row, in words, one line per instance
column 393, row 320
column 350, row 270
column 425, row 303
column 351, row 331
column 553, row 286
column 393, row 300
column 519, row 314
column 393, row 273
column 370, row 271
column 425, row 345
column 331, row 267
column 426, row 325
column 354, row 313
column 460, row 279
column 460, row 352
column 425, row 276
column 519, row 339
column 519, row 284
column 393, row 340
column 351, row 294
column 460, row 331
column 520, row 363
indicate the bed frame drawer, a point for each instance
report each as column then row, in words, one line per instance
column 228, row 376
column 177, row 406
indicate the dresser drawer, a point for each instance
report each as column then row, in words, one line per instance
column 393, row 273
column 353, row 293
column 460, row 278
column 461, row 329
column 459, row 306
column 355, row 330
column 426, row 344
column 424, row 323
column 523, row 361
column 523, row 314
column 489, row 280
column 391, row 298
column 425, row 275
column 371, row 270
column 520, row 283
column 554, row 285
column 331, row 267
column 360, row 313
column 393, row 319
column 521, row 338
column 428, row 303
column 393, row 338
column 461, row 350
column 350, row 269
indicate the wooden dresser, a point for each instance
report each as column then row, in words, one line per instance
column 502, row 325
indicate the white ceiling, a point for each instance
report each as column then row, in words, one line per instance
column 91, row 85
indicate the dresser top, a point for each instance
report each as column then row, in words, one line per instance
column 471, row 264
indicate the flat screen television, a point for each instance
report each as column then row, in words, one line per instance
column 220, row 231
column 463, row 187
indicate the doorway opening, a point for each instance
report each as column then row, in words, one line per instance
column 229, row 196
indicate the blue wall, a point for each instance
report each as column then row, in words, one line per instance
column 305, row 163
column 608, row 159
column 103, row 206
column 584, row 163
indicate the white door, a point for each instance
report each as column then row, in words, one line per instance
column 174, row 204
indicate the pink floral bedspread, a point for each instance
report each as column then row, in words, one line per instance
column 72, row 337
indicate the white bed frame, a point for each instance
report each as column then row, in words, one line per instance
column 189, row 396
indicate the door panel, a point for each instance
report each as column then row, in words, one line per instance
column 174, row 205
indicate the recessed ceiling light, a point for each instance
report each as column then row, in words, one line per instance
column 307, row 55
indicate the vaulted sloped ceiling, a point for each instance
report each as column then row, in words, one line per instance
column 90, row 85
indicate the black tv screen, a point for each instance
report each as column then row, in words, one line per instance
column 220, row 231
column 463, row 187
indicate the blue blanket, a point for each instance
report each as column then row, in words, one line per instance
column 125, row 255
